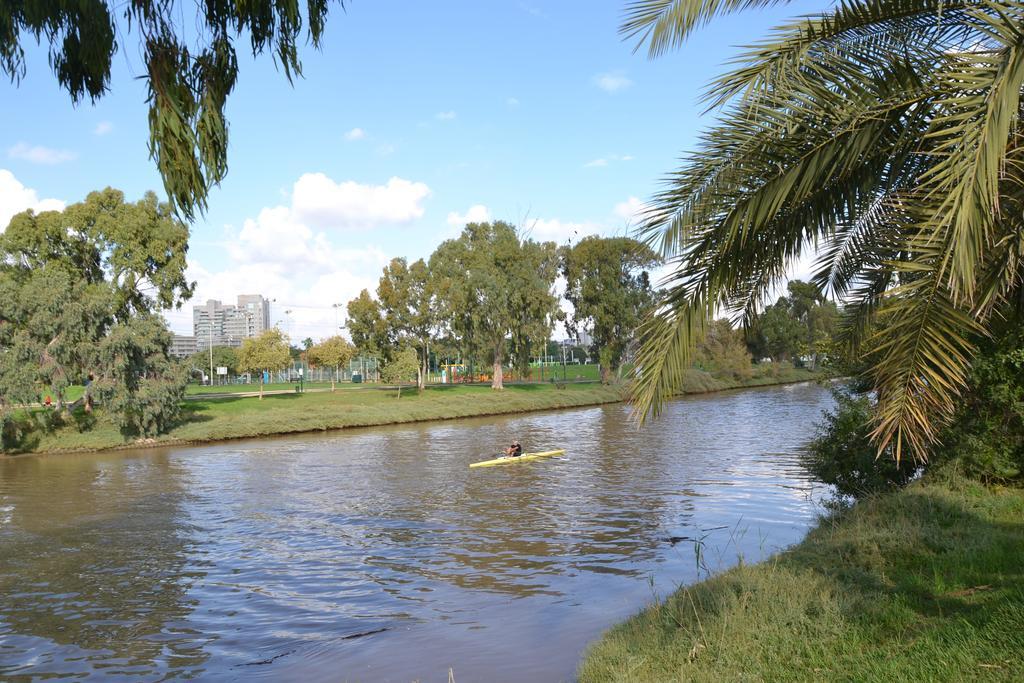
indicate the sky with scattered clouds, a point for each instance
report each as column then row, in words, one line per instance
column 412, row 119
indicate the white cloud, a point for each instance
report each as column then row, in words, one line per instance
column 15, row 198
column 318, row 201
column 478, row 213
column 38, row 154
column 355, row 134
column 102, row 128
column 512, row 102
column 604, row 161
column 286, row 253
column 631, row 211
column 612, row 81
column 444, row 115
column 386, row 150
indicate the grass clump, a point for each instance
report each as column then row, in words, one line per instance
column 922, row 583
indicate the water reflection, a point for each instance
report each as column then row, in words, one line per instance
column 378, row 554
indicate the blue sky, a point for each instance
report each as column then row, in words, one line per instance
column 412, row 117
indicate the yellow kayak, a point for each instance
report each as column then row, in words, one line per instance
column 521, row 458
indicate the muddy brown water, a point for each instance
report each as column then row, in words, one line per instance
column 378, row 555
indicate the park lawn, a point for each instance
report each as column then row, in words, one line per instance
column 232, row 418
column 229, row 417
column 926, row 583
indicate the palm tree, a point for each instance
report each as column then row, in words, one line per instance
column 883, row 135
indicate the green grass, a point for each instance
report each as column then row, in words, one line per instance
column 922, row 584
column 216, row 418
column 230, row 418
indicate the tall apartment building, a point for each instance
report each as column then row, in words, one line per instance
column 227, row 325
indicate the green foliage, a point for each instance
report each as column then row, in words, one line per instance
column 189, row 64
column 490, row 286
column 141, row 387
column 223, row 357
column 609, row 288
column 881, row 133
column 843, row 456
column 985, row 440
column 79, row 294
column 333, row 352
column 405, row 296
column 366, row 325
column 723, row 352
column 801, row 324
column 269, row 351
column 402, row 368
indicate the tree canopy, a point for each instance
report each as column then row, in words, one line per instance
column 403, row 367
column 887, row 134
column 366, row 324
column 490, row 285
column 190, row 66
column 609, row 288
column 80, row 295
column 332, row 352
column 268, row 351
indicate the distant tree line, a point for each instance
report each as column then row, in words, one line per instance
column 488, row 297
column 82, row 291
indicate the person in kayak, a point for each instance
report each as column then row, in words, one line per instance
column 514, row 451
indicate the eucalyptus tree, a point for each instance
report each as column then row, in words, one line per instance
column 885, row 134
column 533, row 305
column 490, row 285
column 80, row 295
column 189, row 65
column 405, row 299
column 609, row 287
column 366, row 324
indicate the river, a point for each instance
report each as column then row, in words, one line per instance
column 378, row 555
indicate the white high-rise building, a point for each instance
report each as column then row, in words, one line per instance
column 227, row 325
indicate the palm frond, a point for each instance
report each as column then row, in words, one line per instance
column 971, row 138
column 665, row 24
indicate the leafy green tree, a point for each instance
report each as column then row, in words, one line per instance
column 608, row 285
column 332, row 352
column 80, row 292
column 189, row 64
column 307, row 344
column 403, row 367
column 800, row 324
column 884, row 133
column 533, row 305
column 775, row 333
column 405, row 299
column 366, row 325
column 269, row 351
column 223, row 357
column 723, row 352
column 486, row 289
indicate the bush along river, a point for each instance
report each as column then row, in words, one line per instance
column 378, row 554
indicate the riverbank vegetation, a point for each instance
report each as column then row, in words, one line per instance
column 923, row 583
column 241, row 417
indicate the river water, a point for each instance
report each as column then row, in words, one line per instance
column 378, row 555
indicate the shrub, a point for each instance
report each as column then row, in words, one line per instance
column 986, row 438
column 843, row 456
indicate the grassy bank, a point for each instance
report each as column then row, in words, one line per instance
column 923, row 584
column 231, row 417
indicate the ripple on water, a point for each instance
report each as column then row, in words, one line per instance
column 378, row 554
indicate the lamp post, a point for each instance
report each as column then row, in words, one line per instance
column 336, row 307
column 211, row 350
